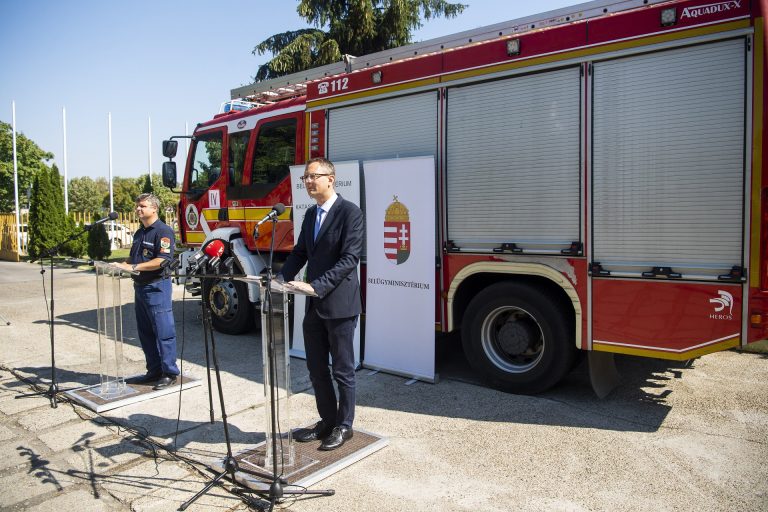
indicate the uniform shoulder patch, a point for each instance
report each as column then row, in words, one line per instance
column 165, row 245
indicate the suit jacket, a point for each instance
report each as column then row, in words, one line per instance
column 331, row 260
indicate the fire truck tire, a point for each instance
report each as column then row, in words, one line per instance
column 231, row 311
column 517, row 337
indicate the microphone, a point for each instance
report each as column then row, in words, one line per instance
column 277, row 210
column 206, row 255
column 111, row 216
column 214, row 250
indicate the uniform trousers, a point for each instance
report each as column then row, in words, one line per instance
column 154, row 322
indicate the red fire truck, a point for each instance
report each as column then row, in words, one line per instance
column 598, row 174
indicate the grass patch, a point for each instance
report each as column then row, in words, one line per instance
column 119, row 255
column 758, row 347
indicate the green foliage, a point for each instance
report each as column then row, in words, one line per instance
column 87, row 195
column 99, row 246
column 49, row 225
column 147, row 189
column 124, row 192
column 40, row 237
column 46, row 227
column 354, row 27
column 64, row 226
column 296, row 50
column 31, row 160
column 76, row 247
column 168, row 198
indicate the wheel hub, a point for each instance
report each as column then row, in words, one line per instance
column 515, row 337
column 223, row 299
column 512, row 339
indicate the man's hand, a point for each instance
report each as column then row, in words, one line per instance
column 302, row 287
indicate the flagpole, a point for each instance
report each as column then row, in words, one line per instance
column 66, row 181
column 111, row 199
column 149, row 146
column 16, row 180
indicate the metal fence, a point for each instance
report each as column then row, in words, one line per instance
column 120, row 231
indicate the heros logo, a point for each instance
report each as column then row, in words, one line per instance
column 397, row 233
column 723, row 306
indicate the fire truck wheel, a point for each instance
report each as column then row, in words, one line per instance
column 518, row 338
column 231, row 311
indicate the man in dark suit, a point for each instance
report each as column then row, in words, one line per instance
column 331, row 242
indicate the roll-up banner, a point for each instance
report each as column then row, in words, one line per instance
column 400, row 276
column 348, row 187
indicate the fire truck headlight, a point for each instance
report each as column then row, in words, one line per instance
column 668, row 17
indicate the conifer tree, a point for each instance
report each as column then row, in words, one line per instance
column 147, row 185
column 41, row 232
column 99, row 245
column 353, row 27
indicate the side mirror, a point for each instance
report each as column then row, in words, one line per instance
column 169, row 172
column 169, row 148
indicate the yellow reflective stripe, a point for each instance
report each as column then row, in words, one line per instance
column 245, row 214
column 195, row 237
column 663, row 354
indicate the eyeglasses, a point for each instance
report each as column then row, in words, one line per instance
column 312, row 176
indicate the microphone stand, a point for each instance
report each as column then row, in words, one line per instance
column 53, row 390
column 276, row 490
column 230, row 462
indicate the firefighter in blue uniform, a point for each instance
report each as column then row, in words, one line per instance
column 151, row 252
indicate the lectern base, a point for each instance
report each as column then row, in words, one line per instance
column 93, row 398
column 310, row 464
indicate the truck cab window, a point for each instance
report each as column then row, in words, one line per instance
column 275, row 151
column 206, row 161
column 238, row 146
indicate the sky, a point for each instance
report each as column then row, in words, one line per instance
column 169, row 61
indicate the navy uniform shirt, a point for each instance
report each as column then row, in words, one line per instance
column 155, row 241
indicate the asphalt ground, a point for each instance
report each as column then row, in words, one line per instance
column 672, row 436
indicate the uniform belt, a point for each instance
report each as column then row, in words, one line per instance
column 151, row 281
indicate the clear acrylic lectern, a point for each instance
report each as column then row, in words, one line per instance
column 110, row 330
column 277, row 376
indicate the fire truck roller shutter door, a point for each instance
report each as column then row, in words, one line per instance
column 668, row 167
column 399, row 127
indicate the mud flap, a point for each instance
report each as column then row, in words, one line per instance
column 602, row 372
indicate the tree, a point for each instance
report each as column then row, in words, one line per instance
column 49, row 224
column 354, row 27
column 168, row 198
column 85, row 195
column 31, row 160
column 44, row 231
column 124, row 191
column 99, row 245
column 147, row 189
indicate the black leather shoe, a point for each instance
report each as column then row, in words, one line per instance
column 144, row 379
column 338, row 437
column 165, row 381
column 316, row 433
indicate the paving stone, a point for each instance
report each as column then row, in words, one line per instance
column 6, row 433
column 27, row 484
column 131, row 483
column 81, row 501
column 71, row 435
column 11, row 405
column 107, row 455
column 41, row 419
column 20, row 451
